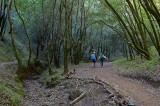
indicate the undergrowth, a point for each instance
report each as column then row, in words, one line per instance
column 6, row 52
column 139, row 63
column 56, row 77
column 141, row 67
column 10, row 93
column 53, row 79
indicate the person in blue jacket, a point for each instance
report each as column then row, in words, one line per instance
column 93, row 58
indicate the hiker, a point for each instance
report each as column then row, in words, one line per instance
column 101, row 59
column 93, row 59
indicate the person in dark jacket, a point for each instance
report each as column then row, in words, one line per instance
column 101, row 59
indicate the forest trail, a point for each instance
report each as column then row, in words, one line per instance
column 143, row 93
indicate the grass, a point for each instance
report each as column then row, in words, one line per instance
column 141, row 68
column 6, row 52
column 10, row 93
column 57, row 74
column 45, row 77
column 139, row 63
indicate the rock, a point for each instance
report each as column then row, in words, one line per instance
column 130, row 102
column 113, row 103
column 74, row 94
column 61, row 87
column 119, row 95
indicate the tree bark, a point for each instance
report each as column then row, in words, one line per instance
column 21, row 70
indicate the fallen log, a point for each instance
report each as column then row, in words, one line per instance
column 78, row 99
column 105, row 85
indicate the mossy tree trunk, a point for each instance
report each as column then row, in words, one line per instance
column 28, row 37
column 48, row 59
column 21, row 70
column 151, row 11
column 142, row 49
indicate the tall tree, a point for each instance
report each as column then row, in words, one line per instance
column 142, row 49
column 21, row 70
column 3, row 17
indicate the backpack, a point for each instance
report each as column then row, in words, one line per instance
column 102, row 57
column 93, row 56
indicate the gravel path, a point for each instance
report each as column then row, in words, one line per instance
column 143, row 93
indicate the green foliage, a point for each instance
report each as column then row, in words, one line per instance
column 151, row 65
column 46, row 78
column 54, row 78
column 6, row 52
column 139, row 63
column 127, row 64
column 11, row 93
column 153, row 52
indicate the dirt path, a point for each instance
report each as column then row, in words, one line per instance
column 140, row 91
column 143, row 93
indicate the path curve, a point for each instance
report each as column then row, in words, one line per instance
column 143, row 93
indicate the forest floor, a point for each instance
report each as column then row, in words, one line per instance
column 142, row 92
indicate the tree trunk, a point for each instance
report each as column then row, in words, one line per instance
column 65, row 44
column 3, row 18
column 29, row 43
column 21, row 70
